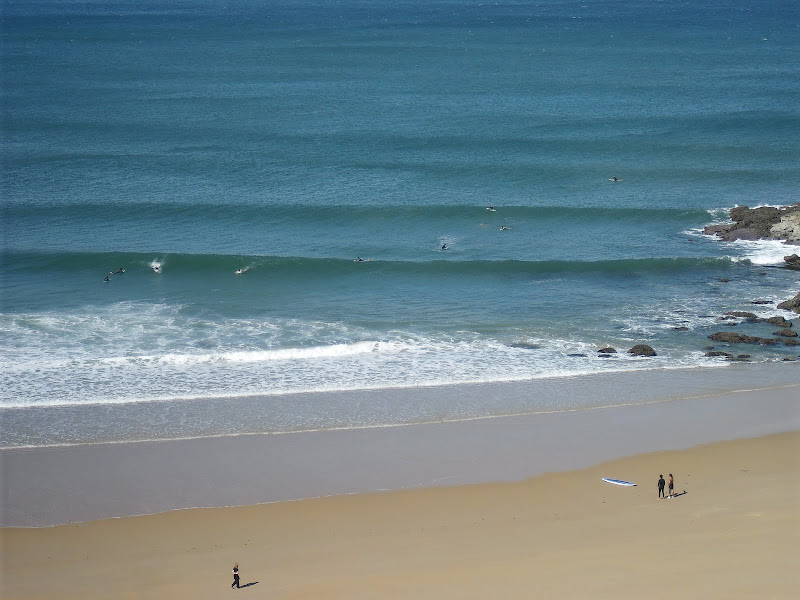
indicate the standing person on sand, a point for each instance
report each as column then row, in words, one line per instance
column 661, row 486
column 671, row 485
column 235, row 576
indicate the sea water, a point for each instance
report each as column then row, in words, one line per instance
column 236, row 160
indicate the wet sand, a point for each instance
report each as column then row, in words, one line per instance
column 51, row 486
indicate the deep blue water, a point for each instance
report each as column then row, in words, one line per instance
column 289, row 138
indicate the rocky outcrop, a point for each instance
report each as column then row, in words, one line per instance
column 786, row 333
column 792, row 305
column 792, row 261
column 642, row 350
column 715, row 353
column 742, row 315
column 607, row 350
column 788, row 228
column 730, row 337
column 779, row 322
column 763, row 223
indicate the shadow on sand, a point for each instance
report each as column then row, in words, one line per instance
column 675, row 495
column 248, row 584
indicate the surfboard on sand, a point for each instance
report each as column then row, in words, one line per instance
column 618, row 482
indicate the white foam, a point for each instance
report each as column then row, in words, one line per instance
column 763, row 252
column 255, row 356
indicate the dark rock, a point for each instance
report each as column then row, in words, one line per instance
column 608, row 350
column 779, row 321
column 741, row 314
column 759, row 219
column 762, row 302
column 792, row 261
column 577, row 354
column 742, row 356
column 786, row 333
column 730, row 337
column 719, row 353
column 790, row 342
column 681, row 328
column 724, row 280
column 792, row 305
column 642, row 350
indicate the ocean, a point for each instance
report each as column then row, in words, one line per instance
column 184, row 141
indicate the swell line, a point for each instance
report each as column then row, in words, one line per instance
column 293, row 266
column 231, row 210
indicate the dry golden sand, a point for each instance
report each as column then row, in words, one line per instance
column 734, row 534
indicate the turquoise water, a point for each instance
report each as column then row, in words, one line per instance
column 286, row 140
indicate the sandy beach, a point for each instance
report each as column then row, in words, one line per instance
column 733, row 534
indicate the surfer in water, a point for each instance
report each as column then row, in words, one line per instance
column 239, row 271
column 444, row 246
column 106, row 279
column 157, row 269
column 614, row 178
column 359, row 259
column 120, row 271
column 503, row 228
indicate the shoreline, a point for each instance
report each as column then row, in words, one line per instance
column 73, row 484
column 307, row 412
column 732, row 535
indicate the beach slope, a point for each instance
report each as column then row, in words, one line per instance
column 733, row 534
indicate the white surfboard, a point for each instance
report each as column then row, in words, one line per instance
column 618, row 482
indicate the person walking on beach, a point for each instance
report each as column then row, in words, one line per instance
column 661, row 483
column 235, row 576
column 671, row 485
